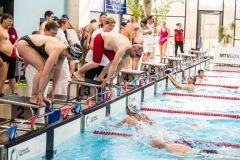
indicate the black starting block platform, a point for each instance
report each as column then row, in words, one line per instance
column 153, row 67
column 186, row 57
column 22, row 109
column 199, row 54
column 85, row 89
column 128, row 75
column 172, row 61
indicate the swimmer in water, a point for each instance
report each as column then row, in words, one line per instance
column 178, row 147
column 190, row 81
column 134, row 117
column 201, row 75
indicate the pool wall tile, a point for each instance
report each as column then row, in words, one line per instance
column 148, row 92
column 66, row 131
column 118, row 106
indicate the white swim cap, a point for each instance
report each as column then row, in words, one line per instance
column 133, row 107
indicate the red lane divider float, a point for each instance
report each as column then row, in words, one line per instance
column 112, row 133
column 225, row 144
column 192, row 113
column 215, row 85
column 223, row 71
column 200, row 95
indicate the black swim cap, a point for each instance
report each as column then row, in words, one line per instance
column 168, row 71
column 75, row 50
column 194, row 80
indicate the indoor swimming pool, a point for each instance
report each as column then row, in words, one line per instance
column 202, row 131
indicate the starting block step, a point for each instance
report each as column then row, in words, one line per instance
column 186, row 57
column 18, row 100
column 153, row 67
column 197, row 53
column 128, row 75
column 22, row 109
column 86, row 81
column 86, row 88
column 172, row 61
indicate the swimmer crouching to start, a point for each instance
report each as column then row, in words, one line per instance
column 44, row 53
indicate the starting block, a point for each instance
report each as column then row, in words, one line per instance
column 199, row 54
column 154, row 68
column 187, row 57
column 87, row 88
column 128, row 75
column 22, row 109
column 172, row 61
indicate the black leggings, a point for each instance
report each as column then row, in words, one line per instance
column 180, row 44
column 11, row 68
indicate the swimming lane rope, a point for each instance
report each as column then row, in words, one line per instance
column 225, row 144
column 217, row 76
column 215, row 85
column 200, row 95
column 112, row 133
column 223, row 71
column 192, row 113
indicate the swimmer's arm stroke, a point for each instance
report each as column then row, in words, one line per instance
column 150, row 120
column 120, row 124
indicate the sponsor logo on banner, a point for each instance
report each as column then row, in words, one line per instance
column 91, row 119
column 227, row 55
column 15, row 154
column 132, row 99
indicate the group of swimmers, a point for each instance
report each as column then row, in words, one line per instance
column 136, row 118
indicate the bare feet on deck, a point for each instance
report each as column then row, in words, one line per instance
column 78, row 76
column 35, row 100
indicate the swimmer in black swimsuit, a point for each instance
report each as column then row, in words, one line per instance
column 39, row 49
column 43, row 52
column 178, row 147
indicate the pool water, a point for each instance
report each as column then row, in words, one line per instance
column 168, row 126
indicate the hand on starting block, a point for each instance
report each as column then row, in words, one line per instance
column 105, row 81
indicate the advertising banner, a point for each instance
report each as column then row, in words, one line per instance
column 227, row 55
column 115, row 6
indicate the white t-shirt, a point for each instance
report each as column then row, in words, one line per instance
column 149, row 38
column 61, row 36
column 224, row 45
column 72, row 35
column 89, row 55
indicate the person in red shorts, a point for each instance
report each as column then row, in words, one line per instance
column 117, row 48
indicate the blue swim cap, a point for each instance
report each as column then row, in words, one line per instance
column 65, row 16
column 55, row 18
